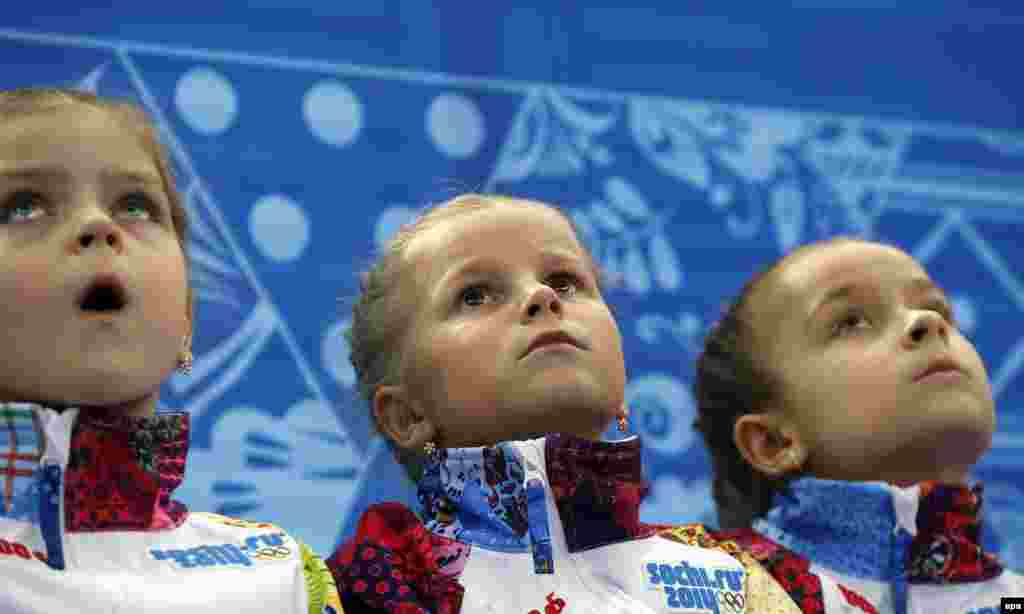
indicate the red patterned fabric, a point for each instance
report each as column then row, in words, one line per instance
column 393, row 564
column 790, row 570
column 121, row 472
column 856, row 600
column 598, row 487
column 947, row 546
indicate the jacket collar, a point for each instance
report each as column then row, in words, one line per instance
column 118, row 472
column 928, row 533
column 483, row 495
column 122, row 470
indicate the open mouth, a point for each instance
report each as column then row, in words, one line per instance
column 103, row 296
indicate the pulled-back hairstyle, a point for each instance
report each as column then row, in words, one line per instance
column 28, row 101
column 730, row 382
column 381, row 315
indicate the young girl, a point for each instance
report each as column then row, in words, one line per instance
column 493, row 365
column 843, row 409
column 96, row 313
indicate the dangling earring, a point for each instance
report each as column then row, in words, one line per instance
column 430, row 449
column 793, row 460
column 623, row 420
column 185, row 357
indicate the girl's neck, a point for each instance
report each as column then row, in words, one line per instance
column 946, row 475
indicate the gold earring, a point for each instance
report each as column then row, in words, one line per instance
column 185, row 357
column 793, row 459
column 623, row 420
column 430, row 449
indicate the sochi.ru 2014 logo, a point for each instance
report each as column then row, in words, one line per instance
column 266, row 547
column 696, row 588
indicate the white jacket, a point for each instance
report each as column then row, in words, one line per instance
column 548, row 526
column 87, row 525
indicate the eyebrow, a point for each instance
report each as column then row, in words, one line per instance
column 467, row 266
column 474, row 265
column 59, row 175
column 923, row 285
column 917, row 285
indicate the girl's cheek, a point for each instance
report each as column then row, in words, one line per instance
column 32, row 282
column 147, row 232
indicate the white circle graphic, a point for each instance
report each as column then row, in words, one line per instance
column 206, row 101
column 333, row 113
column 672, row 497
column 334, row 352
column 279, row 228
column 389, row 222
column 455, row 125
column 661, row 411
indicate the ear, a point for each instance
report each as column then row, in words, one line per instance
column 399, row 420
column 769, row 444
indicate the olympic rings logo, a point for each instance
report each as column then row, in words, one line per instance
column 734, row 602
column 270, row 553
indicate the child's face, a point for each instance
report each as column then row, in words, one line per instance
column 81, row 198
column 849, row 329
column 488, row 284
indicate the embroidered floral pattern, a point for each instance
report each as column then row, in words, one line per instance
column 483, row 487
column 849, row 527
column 762, row 594
column 121, row 472
column 790, row 570
column 396, row 565
column 503, row 487
column 947, row 546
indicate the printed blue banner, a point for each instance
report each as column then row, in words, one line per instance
column 295, row 170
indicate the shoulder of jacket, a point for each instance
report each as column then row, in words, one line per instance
column 232, row 525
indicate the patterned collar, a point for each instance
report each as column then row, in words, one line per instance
column 926, row 534
column 122, row 470
column 119, row 471
column 491, row 496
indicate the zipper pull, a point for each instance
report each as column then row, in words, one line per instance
column 540, row 534
column 50, row 494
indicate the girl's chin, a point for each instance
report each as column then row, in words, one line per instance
column 947, row 475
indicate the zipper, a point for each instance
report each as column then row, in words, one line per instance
column 51, row 487
column 540, row 532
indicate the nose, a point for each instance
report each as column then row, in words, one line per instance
column 96, row 233
column 925, row 324
column 540, row 302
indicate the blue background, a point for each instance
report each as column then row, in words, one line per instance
column 693, row 145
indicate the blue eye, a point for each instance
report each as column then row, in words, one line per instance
column 140, row 205
column 20, row 206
